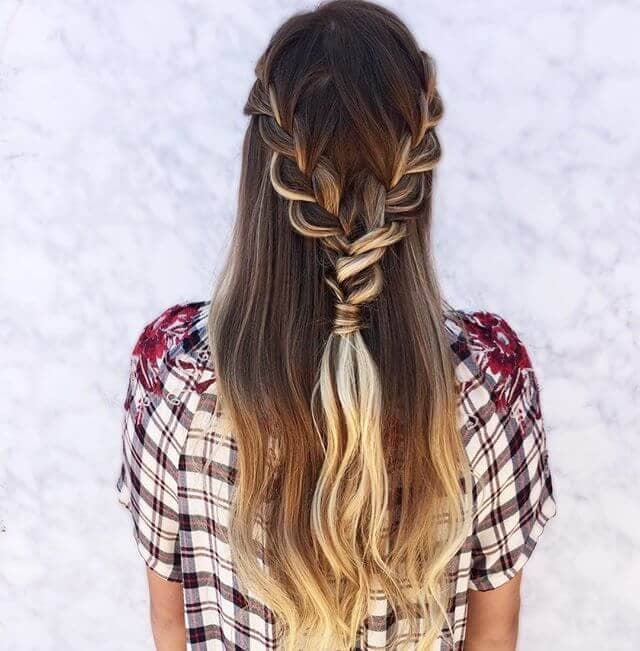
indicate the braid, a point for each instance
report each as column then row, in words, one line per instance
column 316, row 203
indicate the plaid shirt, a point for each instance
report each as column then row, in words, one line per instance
column 171, row 427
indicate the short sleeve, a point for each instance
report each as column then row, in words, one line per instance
column 515, row 497
column 147, row 483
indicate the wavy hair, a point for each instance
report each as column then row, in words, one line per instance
column 327, row 335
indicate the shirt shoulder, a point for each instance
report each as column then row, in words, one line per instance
column 499, row 404
column 488, row 351
column 171, row 354
column 170, row 370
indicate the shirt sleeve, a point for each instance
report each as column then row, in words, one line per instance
column 147, row 483
column 515, row 497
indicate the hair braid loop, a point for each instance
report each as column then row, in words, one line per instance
column 357, row 277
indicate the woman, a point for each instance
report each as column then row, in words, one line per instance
column 327, row 455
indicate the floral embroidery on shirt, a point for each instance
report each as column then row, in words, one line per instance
column 157, row 338
column 501, row 352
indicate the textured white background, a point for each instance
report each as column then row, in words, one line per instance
column 120, row 133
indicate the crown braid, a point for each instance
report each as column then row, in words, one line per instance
column 317, row 207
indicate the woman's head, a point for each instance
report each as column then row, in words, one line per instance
column 327, row 333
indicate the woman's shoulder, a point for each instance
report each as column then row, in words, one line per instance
column 500, row 403
column 171, row 352
column 489, row 350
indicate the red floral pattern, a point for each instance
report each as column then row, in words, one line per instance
column 501, row 352
column 159, row 336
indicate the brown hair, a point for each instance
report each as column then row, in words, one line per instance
column 328, row 337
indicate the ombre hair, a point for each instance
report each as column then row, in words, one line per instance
column 327, row 332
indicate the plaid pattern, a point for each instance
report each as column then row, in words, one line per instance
column 171, row 427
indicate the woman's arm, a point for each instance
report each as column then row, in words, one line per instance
column 166, row 608
column 492, row 618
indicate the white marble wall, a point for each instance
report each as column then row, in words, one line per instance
column 120, row 132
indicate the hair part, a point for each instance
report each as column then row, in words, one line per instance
column 328, row 337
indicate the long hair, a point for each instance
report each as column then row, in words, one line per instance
column 327, row 335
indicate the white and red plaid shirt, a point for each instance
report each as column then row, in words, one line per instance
column 180, row 524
